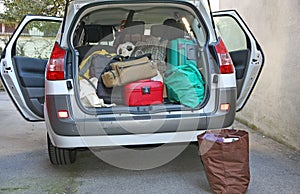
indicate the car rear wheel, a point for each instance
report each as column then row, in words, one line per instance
column 60, row 156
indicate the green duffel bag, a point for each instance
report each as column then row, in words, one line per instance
column 185, row 85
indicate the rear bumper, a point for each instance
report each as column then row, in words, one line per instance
column 122, row 140
column 111, row 130
column 81, row 124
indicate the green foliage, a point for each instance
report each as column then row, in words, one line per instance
column 16, row 9
column 48, row 28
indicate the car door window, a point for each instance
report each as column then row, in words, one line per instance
column 232, row 34
column 37, row 39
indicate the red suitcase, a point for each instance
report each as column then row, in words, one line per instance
column 143, row 93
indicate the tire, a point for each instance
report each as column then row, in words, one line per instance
column 60, row 156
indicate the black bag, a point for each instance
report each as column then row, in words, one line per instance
column 115, row 94
column 109, row 95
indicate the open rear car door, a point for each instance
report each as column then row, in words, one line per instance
column 23, row 63
column 246, row 53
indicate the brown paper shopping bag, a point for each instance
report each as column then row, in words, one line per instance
column 225, row 156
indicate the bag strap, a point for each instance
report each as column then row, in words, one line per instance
column 122, row 58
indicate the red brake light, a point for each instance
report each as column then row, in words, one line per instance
column 226, row 64
column 56, row 65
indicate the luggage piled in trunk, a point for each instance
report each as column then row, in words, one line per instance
column 172, row 77
column 184, row 82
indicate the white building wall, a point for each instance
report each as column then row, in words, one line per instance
column 274, row 106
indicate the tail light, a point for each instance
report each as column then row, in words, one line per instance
column 226, row 64
column 56, row 65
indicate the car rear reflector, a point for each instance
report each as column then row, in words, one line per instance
column 225, row 107
column 226, row 64
column 56, row 65
column 63, row 114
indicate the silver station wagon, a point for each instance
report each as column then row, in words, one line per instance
column 205, row 67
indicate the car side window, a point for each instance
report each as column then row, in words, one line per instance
column 231, row 33
column 37, row 39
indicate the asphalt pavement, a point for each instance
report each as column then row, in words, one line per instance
column 25, row 167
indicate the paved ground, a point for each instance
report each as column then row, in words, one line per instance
column 25, row 167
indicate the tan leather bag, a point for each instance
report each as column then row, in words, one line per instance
column 110, row 79
column 226, row 163
column 134, row 70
